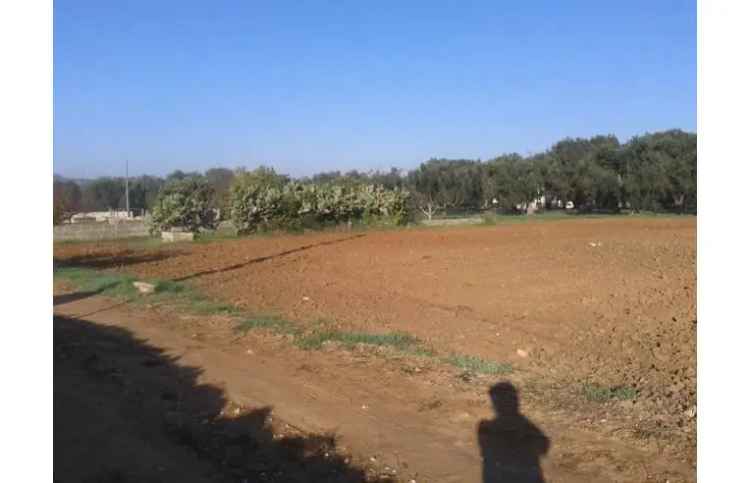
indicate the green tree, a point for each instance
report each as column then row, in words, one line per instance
column 389, row 180
column 441, row 184
column 104, row 194
column 660, row 171
column 261, row 198
column 184, row 203
column 179, row 175
column 220, row 180
column 584, row 171
column 512, row 180
column 66, row 196
column 143, row 192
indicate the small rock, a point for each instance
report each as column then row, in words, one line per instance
column 250, row 352
column 691, row 412
column 306, row 299
column 522, row 353
column 466, row 376
column 144, row 287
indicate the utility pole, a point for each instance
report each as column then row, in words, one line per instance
column 127, row 192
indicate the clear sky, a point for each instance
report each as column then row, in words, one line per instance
column 311, row 86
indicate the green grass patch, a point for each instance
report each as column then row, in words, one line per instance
column 118, row 285
column 169, row 287
column 493, row 219
column 185, row 298
column 420, row 351
column 134, row 243
column 598, row 393
column 396, row 340
column 272, row 323
column 478, row 365
column 188, row 299
column 200, row 305
column 89, row 280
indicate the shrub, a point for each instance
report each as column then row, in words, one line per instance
column 184, row 204
column 259, row 200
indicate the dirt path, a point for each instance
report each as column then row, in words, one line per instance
column 389, row 417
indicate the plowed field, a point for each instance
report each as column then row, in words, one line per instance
column 610, row 302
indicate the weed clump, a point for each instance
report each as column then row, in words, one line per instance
column 478, row 365
column 598, row 393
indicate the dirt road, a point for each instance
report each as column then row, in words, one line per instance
column 143, row 395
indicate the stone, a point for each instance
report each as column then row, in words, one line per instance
column 177, row 236
column 144, row 287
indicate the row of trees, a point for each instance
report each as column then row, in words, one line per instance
column 262, row 200
column 655, row 172
column 108, row 193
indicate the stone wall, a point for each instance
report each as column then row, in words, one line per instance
column 452, row 221
column 100, row 231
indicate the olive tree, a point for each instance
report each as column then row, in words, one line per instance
column 184, row 203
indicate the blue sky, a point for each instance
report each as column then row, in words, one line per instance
column 312, row 86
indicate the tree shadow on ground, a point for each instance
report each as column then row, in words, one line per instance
column 72, row 297
column 122, row 258
column 124, row 411
column 511, row 445
column 237, row 266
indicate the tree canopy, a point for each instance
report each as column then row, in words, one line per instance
column 653, row 171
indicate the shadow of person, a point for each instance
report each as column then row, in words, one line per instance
column 511, row 445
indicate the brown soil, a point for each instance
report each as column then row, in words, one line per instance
column 610, row 302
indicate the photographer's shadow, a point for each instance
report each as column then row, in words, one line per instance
column 511, row 444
